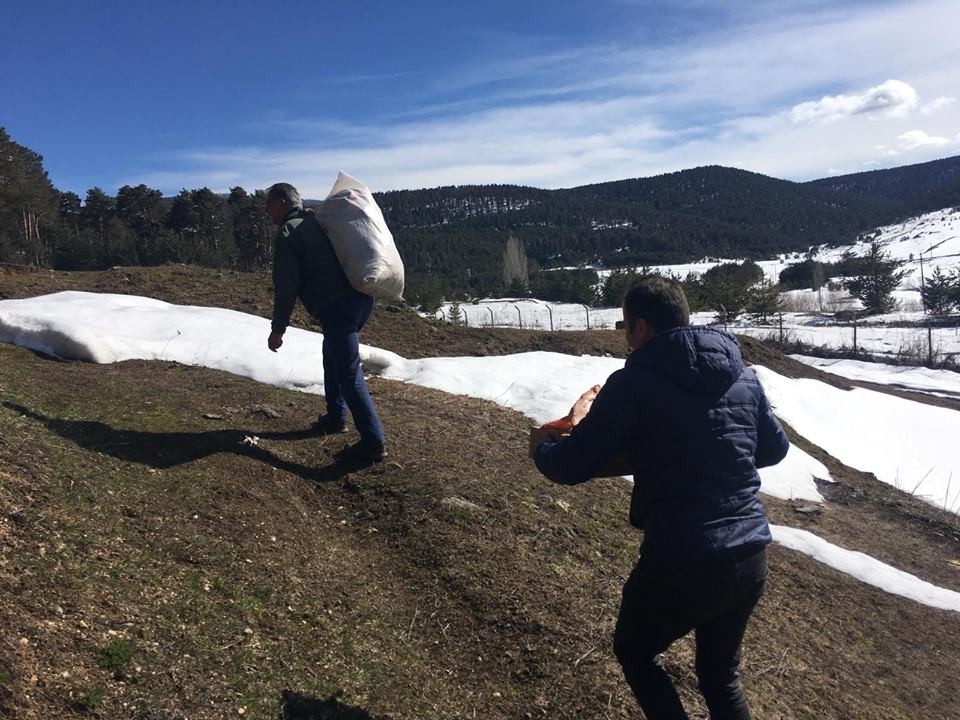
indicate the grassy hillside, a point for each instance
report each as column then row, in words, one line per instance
column 154, row 565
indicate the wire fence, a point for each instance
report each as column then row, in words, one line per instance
column 924, row 344
column 828, row 334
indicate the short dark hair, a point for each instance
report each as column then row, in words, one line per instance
column 658, row 300
column 286, row 192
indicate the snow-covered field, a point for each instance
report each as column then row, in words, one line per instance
column 923, row 243
column 944, row 383
column 891, row 342
column 913, row 447
column 809, row 317
column 934, row 236
column 810, row 328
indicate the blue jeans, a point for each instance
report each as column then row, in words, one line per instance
column 343, row 381
column 660, row 605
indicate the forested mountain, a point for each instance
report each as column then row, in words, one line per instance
column 708, row 211
column 909, row 190
column 668, row 218
column 454, row 239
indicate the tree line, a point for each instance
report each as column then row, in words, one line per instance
column 734, row 289
column 728, row 289
column 476, row 241
column 43, row 226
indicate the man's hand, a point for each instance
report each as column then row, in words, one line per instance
column 582, row 406
column 275, row 341
column 540, row 435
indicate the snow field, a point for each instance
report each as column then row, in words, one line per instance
column 111, row 328
column 935, row 237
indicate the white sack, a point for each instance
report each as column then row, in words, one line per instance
column 361, row 239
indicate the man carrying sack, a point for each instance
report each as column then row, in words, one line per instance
column 695, row 425
column 305, row 266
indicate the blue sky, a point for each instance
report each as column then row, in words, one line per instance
column 421, row 94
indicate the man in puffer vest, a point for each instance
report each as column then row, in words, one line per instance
column 306, row 267
column 696, row 425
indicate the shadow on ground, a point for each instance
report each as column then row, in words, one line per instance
column 295, row 706
column 168, row 449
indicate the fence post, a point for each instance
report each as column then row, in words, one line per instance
column 781, row 330
column 466, row 320
column 929, row 346
column 922, row 284
column 585, row 307
column 490, row 310
column 519, row 317
column 854, row 335
column 550, row 312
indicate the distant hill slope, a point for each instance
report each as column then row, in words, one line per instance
column 458, row 232
column 911, row 190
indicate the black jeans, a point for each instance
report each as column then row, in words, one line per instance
column 662, row 604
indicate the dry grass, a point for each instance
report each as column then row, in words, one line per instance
column 154, row 566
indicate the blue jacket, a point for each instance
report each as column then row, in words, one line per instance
column 697, row 425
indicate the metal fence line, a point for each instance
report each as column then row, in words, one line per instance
column 923, row 345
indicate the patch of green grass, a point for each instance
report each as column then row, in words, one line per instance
column 115, row 656
column 89, row 699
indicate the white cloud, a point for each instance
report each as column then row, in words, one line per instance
column 514, row 145
column 913, row 139
column 599, row 113
column 893, row 98
column 937, row 104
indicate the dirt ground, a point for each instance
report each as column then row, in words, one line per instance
column 176, row 544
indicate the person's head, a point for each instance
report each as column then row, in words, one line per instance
column 281, row 199
column 652, row 306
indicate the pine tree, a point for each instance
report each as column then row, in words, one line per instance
column 878, row 277
column 28, row 205
column 142, row 210
column 455, row 314
column 763, row 301
column 938, row 292
column 252, row 231
column 181, row 219
column 204, row 229
column 693, row 288
column 726, row 288
column 70, row 249
column 214, row 229
column 573, row 286
column 616, row 284
column 110, row 240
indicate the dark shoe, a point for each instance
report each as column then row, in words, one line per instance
column 365, row 451
column 329, row 425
